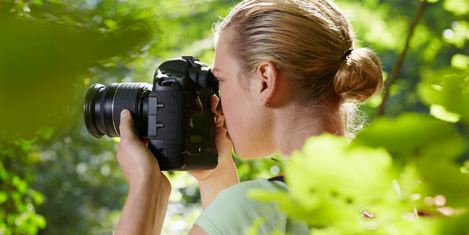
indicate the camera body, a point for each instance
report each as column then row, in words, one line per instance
column 173, row 113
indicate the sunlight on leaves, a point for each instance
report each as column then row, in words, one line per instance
column 458, row 7
column 465, row 168
column 331, row 184
column 460, row 61
column 409, row 134
column 447, row 88
column 441, row 113
column 458, row 34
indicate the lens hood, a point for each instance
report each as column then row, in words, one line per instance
column 90, row 115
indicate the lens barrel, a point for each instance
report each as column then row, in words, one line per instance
column 103, row 106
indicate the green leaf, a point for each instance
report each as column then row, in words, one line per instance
column 458, row 34
column 460, row 61
column 253, row 230
column 268, row 195
column 465, row 168
column 3, row 174
column 441, row 113
column 410, row 134
column 3, row 197
column 37, row 197
column 444, row 178
column 21, row 185
column 330, row 180
column 46, row 133
column 456, row 224
column 432, row 49
column 447, row 88
column 458, row 7
column 110, row 24
column 40, row 221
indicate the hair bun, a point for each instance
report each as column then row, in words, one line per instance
column 359, row 77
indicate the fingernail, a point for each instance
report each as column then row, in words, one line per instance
column 124, row 113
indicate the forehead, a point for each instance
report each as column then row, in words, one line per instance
column 224, row 61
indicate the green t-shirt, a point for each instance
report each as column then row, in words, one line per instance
column 232, row 212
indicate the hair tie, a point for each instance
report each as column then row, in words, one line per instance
column 347, row 53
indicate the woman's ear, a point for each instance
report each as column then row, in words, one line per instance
column 267, row 80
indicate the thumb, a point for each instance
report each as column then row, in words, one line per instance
column 126, row 126
column 215, row 105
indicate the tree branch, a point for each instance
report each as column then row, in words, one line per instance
column 400, row 60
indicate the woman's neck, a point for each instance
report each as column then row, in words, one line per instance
column 298, row 123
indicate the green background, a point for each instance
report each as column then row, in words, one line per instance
column 57, row 179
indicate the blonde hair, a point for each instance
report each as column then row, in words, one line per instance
column 313, row 44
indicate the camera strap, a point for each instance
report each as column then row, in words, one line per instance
column 280, row 164
column 280, row 178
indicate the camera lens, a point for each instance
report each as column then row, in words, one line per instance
column 94, row 93
column 103, row 106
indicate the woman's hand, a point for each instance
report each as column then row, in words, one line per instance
column 136, row 160
column 149, row 189
column 224, row 175
column 222, row 143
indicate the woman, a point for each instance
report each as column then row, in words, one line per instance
column 286, row 68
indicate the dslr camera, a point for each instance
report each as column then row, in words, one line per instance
column 173, row 113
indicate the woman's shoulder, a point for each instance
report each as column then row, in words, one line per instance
column 245, row 186
column 233, row 211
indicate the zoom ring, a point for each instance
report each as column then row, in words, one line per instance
column 126, row 97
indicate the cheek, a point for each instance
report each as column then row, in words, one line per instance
column 233, row 110
column 241, row 125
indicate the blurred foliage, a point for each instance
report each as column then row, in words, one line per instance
column 46, row 48
column 57, row 179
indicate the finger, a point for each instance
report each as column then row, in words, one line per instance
column 196, row 106
column 215, row 105
column 129, row 143
column 144, row 141
column 126, row 126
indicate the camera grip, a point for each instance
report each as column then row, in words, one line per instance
column 167, row 127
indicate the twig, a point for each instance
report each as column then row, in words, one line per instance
column 400, row 60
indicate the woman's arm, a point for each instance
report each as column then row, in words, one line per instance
column 197, row 230
column 213, row 181
column 144, row 211
column 221, row 178
column 149, row 189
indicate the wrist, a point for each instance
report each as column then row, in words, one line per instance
column 215, row 183
column 223, row 174
column 145, row 208
column 150, row 185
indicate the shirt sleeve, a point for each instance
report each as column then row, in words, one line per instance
column 232, row 212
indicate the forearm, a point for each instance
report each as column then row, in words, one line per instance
column 144, row 210
column 216, row 182
column 212, row 182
